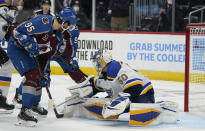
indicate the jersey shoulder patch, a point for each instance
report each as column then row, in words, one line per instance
column 45, row 20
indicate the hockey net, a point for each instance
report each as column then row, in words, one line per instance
column 195, row 68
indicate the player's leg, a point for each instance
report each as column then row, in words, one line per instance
column 27, row 67
column 6, row 69
column 76, row 75
column 37, row 108
column 17, row 100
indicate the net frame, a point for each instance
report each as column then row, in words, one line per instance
column 199, row 30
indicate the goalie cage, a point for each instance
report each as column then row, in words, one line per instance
column 194, row 94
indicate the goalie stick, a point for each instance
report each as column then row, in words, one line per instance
column 76, row 87
column 47, row 89
column 69, row 98
column 73, row 88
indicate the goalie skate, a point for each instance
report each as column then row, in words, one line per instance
column 26, row 118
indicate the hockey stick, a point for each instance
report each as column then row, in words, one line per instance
column 70, row 98
column 54, row 107
column 47, row 89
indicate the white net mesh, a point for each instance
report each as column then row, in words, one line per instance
column 197, row 69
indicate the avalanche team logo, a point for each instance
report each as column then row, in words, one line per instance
column 45, row 20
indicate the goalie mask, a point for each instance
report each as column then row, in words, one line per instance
column 101, row 58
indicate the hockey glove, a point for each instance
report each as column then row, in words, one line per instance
column 29, row 43
column 45, row 80
column 74, row 64
column 32, row 48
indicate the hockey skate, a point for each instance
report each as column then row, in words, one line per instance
column 17, row 101
column 26, row 118
column 40, row 111
column 5, row 108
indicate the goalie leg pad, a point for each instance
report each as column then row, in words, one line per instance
column 170, row 111
column 90, row 108
column 71, row 106
column 143, row 114
column 117, row 105
column 5, row 77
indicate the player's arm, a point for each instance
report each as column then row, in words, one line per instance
column 70, row 43
column 23, row 33
column 69, row 47
column 74, row 40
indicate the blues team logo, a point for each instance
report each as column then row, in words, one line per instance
column 45, row 20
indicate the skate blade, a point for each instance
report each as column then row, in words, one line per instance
column 3, row 111
column 24, row 123
column 38, row 116
column 41, row 116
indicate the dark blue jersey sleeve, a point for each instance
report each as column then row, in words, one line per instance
column 74, row 33
column 37, row 25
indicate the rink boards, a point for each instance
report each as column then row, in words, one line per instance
column 160, row 56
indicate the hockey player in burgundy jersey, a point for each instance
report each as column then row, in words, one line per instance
column 67, row 58
column 45, row 9
column 66, row 54
column 32, row 44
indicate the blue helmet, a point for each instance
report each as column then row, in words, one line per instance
column 68, row 14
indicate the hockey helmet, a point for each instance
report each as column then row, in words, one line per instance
column 67, row 15
column 46, row 2
column 101, row 59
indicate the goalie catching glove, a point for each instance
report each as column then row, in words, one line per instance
column 85, row 91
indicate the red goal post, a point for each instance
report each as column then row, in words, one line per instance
column 195, row 68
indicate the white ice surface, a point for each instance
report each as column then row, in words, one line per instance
column 164, row 90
